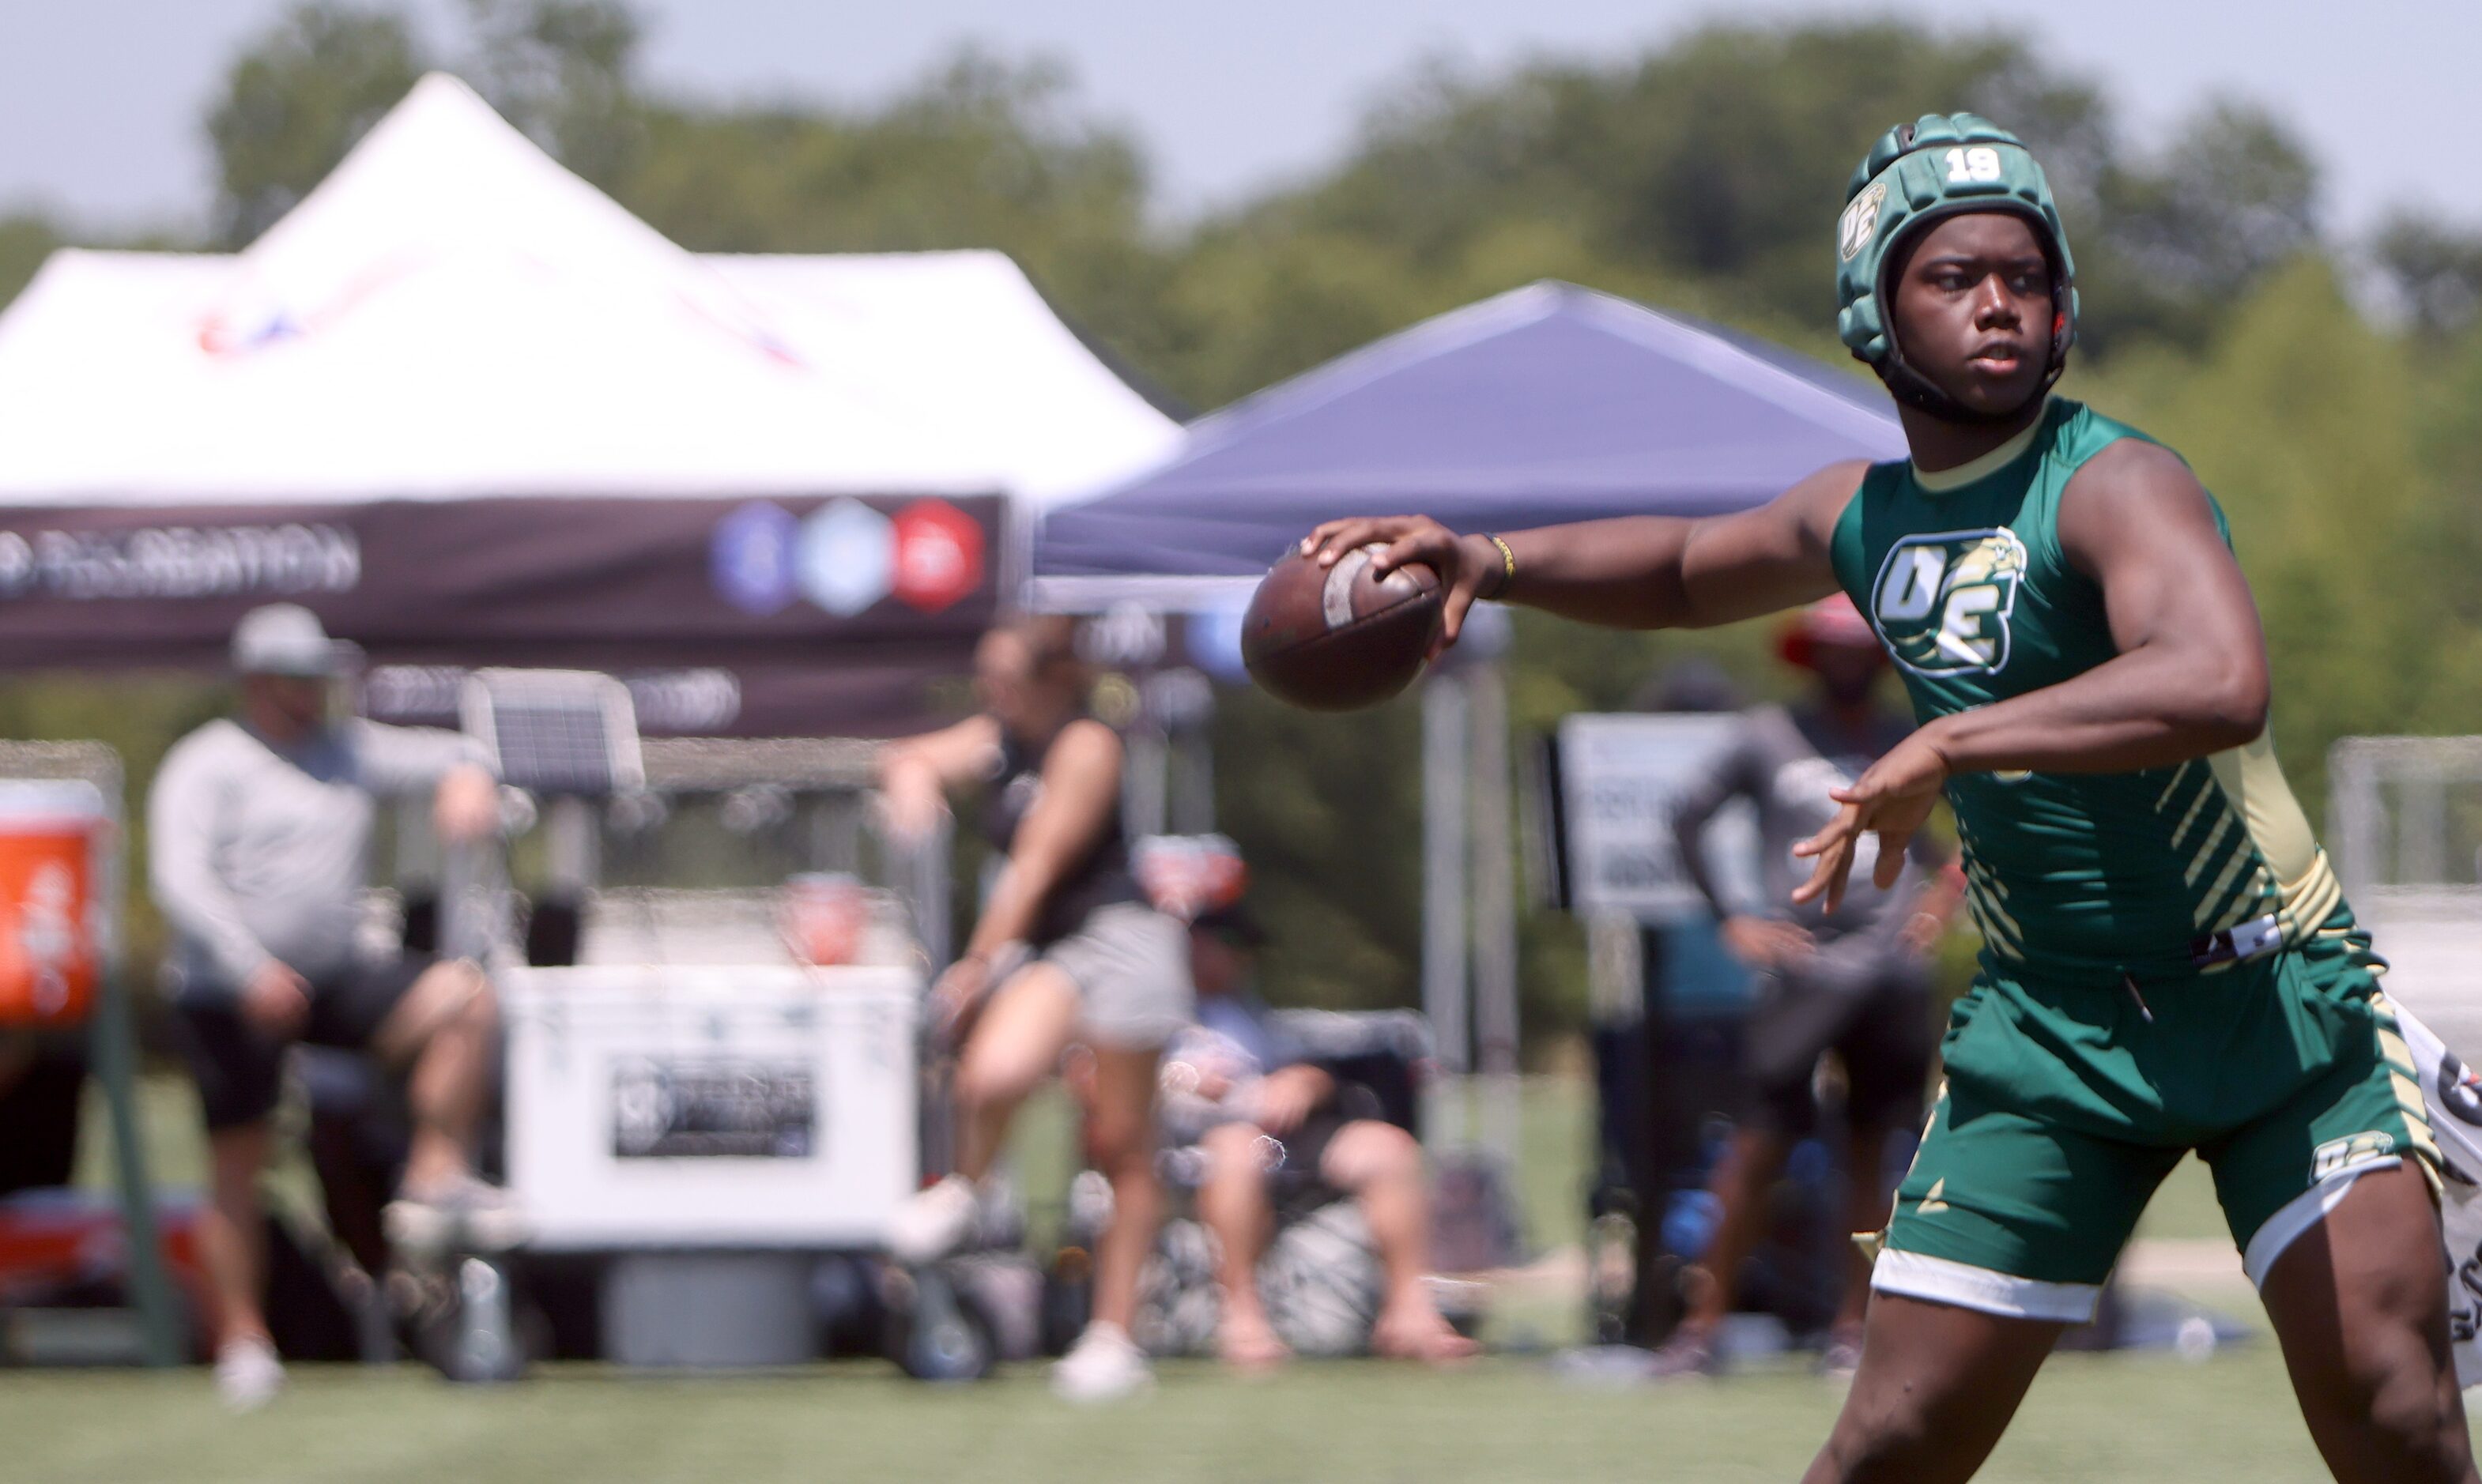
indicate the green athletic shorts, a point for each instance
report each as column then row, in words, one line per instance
column 2066, row 1105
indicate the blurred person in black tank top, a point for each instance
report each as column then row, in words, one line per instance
column 1065, row 950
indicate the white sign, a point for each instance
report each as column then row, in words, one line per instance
column 1620, row 777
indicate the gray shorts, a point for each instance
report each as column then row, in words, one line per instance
column 1130, row 964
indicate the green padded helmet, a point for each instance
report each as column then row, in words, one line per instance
column 1940, row 165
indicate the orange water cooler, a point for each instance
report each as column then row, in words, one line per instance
column 55, row 839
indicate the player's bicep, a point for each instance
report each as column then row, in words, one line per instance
column 1775, row 556
column 2144, row 529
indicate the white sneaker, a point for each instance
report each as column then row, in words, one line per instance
column 1105, row 1365
column 933, row 1224
column 247, row 1374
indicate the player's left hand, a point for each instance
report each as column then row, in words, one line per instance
column 1889, row 800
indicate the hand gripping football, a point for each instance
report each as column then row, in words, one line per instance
column 1339, row 638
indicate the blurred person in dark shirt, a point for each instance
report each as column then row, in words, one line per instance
column 1855, row 982
column 1065, row 950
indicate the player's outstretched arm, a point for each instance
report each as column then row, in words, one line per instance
column 1633, row 572
column 2189, row 680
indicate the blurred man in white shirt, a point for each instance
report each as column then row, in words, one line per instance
column 259, row 832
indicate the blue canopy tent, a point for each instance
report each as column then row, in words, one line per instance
column 1550, row 403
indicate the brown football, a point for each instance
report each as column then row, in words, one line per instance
column 1339, row 638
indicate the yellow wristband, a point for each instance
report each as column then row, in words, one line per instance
column 1507, row 563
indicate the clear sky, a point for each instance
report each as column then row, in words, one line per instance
column 100, row 100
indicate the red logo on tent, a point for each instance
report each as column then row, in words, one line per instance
column 938, row 555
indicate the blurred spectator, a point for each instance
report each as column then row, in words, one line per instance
column 1667, row 1055
column 260, row 833
column 1855, row 982
column 1694, row 683
column 1279, row 1134
column 1065, row 947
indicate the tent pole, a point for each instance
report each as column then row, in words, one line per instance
column 114, row 1048
column 1192, row 808
column 112, row 1054
column 1146, row 786
column 921, row 877
column 1494, row 914
column 1443, row 904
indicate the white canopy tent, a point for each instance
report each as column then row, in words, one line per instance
column 452, row 313
column 454, row 321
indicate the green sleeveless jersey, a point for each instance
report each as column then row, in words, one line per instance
column 2150, row 874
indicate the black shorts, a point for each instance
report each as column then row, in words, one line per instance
column 1295, row 1182
column 240, row 1069
column 1882, row 1031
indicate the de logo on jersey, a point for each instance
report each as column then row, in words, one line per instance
column 1942, row 602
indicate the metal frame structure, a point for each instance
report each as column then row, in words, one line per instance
column 829, row 764
column 2379, row 850
column 2403, row 822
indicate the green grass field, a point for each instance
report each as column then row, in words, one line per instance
column 2125, row 1417
column 2090, row 1418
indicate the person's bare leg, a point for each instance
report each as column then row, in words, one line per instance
column 1015, row 1044
column 1232, row 1205
column 1382, row 1167
column 2360, row 1304
column 232, row 1232
column 441, row 1032
column 1739, row 1185
column 1868, row 1197
column 1121, row 1133
column 1011, row 1047
column 1936, row 1386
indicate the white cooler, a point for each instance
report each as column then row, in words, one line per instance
column 750, row 1106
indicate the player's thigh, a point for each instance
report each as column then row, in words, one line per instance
column 2363, row 1286
column 2278, row 1175
column 2360, row 1305
column 2014, row 1215
column 1017, row 1039
column 1936, row 1386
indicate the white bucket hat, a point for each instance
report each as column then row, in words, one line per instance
column 286, row 639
